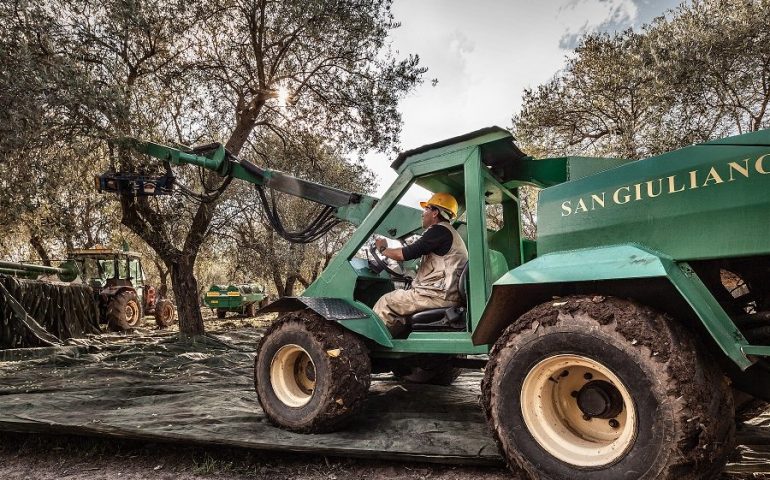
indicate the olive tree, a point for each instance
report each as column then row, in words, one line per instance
column 231, row 71
column 259, row 251
column 47, row 199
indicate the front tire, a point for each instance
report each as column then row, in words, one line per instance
column 311, row 375
column 578, row 389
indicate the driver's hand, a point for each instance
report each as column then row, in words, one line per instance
column 381, row 244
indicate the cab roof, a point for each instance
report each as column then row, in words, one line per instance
column 102, row 252
column 497, row 147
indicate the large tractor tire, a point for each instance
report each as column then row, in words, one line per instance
column 311, row 375
column 432, row 370
column 250, row 310
column 123, row 312
column 164, row 313
column 747, row 407
column 603, row 389
column 221, row 313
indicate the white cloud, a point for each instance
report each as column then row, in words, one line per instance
column 579, row 17
column 484, row 54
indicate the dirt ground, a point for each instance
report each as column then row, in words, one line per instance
column 49, row 457
column 43, row 457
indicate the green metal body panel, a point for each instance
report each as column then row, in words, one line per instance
column 687, row 204
column 708, row 201
column 611, row 262
column 617, row 262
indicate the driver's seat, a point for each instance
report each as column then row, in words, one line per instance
column 444, row 319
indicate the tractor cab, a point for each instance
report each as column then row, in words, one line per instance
column 118, row 282
column 105, row 267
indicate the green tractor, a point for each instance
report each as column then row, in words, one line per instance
column 118, row 282
column 623, row 343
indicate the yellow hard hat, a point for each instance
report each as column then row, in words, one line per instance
column 442, row 200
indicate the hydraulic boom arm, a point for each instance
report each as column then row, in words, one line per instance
column 340, row 205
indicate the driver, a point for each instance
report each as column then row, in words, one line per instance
column 443, row 256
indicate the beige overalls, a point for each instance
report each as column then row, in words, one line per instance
column 435, row 286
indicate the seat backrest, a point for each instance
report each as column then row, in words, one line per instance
column 463, row 286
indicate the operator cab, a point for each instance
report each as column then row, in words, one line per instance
column 471, row 168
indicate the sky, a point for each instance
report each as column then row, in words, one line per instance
column 484, row 54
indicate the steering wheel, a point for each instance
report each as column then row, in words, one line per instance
column 377, row 264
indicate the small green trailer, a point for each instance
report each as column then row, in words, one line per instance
column 244, row 298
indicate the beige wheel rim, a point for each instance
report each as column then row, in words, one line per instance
column 578, row 410
column 292, row 375
column 132, row 313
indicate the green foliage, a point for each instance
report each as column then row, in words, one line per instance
column 697, row 73
column 291, row 79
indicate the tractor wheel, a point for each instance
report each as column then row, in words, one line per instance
column 433, row 370
column 164, row 313
column 311, row 375
column 250, row 310
column 221, row 313
column 606, row 389
column 123, row 312
column 747, row 406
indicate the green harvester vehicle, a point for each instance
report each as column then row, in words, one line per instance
column 243, row 298
column 623, row 343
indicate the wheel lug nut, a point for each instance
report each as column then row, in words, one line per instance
column 587, row 417
column 588, row 376
column 614, row 423
column 574, row 393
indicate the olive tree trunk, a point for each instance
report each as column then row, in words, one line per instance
column 186, row 294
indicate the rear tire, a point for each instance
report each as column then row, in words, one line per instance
column 123, row 312
column 221, row 313
column 605, row 390
column 164, row 313
column 310, row 374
